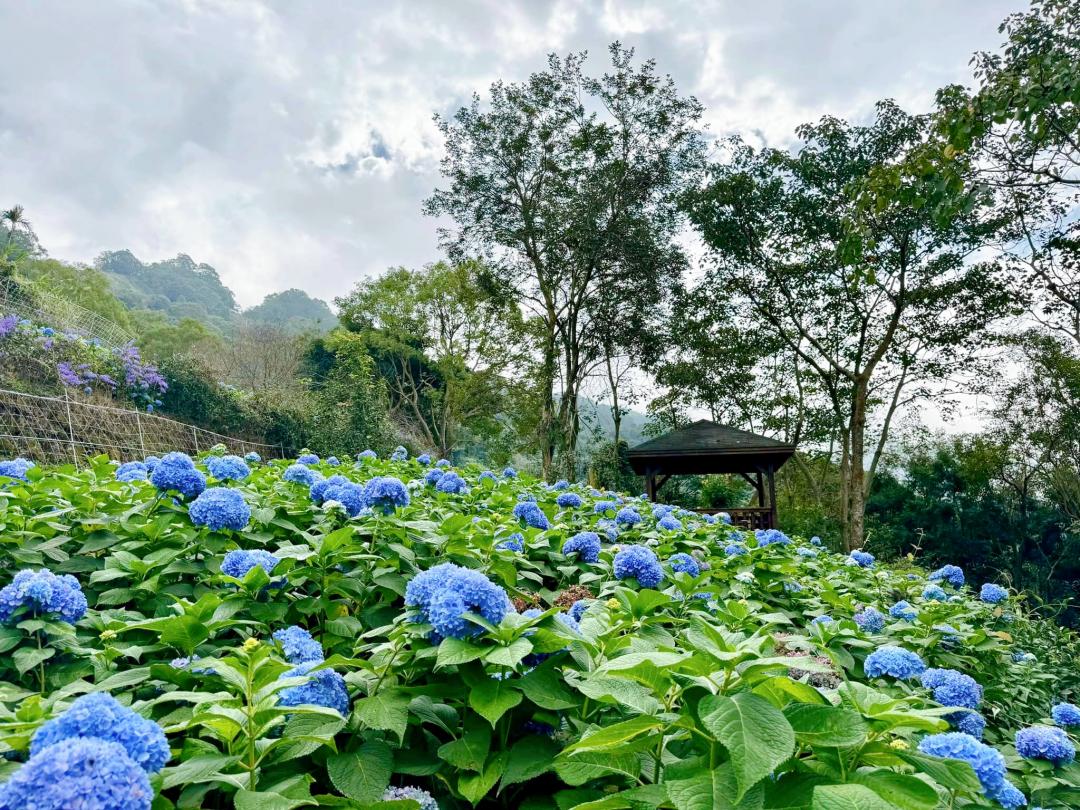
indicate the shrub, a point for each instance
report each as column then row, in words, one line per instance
column 485, row 647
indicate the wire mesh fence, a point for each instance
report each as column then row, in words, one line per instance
column 61, row 429
column 60, row 313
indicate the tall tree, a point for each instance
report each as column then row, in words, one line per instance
column 1022, row 124
column 443, row 339
column 567, row 186
column 882, row 305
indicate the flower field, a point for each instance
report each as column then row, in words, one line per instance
column 395, row 633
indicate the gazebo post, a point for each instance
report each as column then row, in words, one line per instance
column 760, row 487
column 650, row 485
column 772, row 498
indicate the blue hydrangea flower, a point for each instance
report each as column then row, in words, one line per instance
column 41, row 593
column 363, row 455
column 627, row 516
column 670, row 523
column 893, row 661
column 934, row 592
column 826, row 619
column 735, row 549
column 509, row 472
column 988, row 764
column 349, row 495
column 421, row 797
column 531, row 514
column 968, row 722
column 862, row 559
column 662, row 509
column 640, row 563
column 324, row 687
column 609, row 528
column 569, row 500
column 318, row 488
column 487, row 475
column 815, row 540
column 577, row 610
column 399, row 454
column 585, row 544
column 151, row 462
column 600, row 507
column 903, row 610
column 15, row 468
column 334, row 461
column 424, row 459
column 770, row 537
column 132, row 471
column 684, row 563
column 307, row 459
column 560, row 485
column 442, row 463
column 806, row 551
column 792, row 587
column 228, row 468
column 385, row 493
column 1010, row 797
column 252, row 457
column 101, row 716
column 80, row 772
column 446, row 594
column 300, row 474
column 1066, row 715
column 238, row 562
column 515, row 542
column 1045, row 742
column 298, row 645
column 870, row 620
column 433, row 475
column 452, row 484
column 1021, row 657
column 952, row 574
column 952, row 688
column 993, row 594
column 220, row 508
column 710, row 519
column 176, row 472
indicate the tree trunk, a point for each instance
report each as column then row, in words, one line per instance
column 853, row 486
column 616, row 411
column 547, row 405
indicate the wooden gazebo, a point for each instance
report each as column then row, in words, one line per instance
column 706, row 448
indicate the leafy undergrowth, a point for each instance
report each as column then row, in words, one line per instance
column 662, row 662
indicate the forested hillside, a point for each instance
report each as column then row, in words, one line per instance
column 181, row 288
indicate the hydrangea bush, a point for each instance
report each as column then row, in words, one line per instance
column 359, row 635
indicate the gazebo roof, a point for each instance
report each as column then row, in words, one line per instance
column 707, row 447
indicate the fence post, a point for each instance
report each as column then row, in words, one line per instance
column 195, row 436
column 281, row 448
column 71, row 430
column 138, row 424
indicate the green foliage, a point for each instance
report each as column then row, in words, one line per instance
column 609, row 468
column 443, row 341
column 179, row 287
column 348, row 409
column 160, row 339
column 293, row 310
column 84, row 286
column 708, row 691
column 956, row 498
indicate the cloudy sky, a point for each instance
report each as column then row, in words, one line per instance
column 291, row 143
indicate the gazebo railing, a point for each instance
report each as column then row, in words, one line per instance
column 747, row 517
